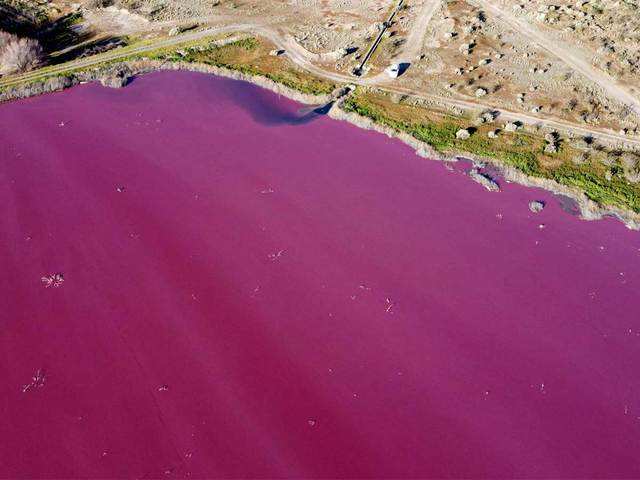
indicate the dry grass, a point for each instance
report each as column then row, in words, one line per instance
column 603, row 182
column 250, row 56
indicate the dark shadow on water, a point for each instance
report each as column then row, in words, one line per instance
column 269, row 110
column 568, row 204
column 132, row 79
column 322, row 109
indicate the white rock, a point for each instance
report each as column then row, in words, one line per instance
column 536, row 206
column 462, row 134
column 485, row 180
column 511, row 127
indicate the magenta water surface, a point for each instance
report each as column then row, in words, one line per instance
column 250, row 292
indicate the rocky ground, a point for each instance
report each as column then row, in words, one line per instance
column 467, row 53
column 609, row 29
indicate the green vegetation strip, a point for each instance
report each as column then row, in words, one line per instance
column 247, row 56
column 604, row 185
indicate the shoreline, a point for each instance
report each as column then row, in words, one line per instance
column 589, row 210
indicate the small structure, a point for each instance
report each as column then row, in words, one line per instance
column 393, row 71
column 397, row 69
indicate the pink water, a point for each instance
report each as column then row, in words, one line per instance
column 251, row 294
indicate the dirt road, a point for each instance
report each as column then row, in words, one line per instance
column 298, row 55
column 121, row 53
column 415, row 40
column 570, row 55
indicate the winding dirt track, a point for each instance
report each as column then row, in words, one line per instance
column 415, row 40
column 298, row 55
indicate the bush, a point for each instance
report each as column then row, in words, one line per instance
column 5, row 38
column 19, row 55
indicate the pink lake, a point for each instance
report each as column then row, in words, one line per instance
column 248, row 292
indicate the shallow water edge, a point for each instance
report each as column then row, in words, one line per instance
column 589, row 210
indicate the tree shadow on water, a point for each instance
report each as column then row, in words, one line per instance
column 266, row 109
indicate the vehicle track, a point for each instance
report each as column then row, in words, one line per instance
column 415, row 40
column 569, row 55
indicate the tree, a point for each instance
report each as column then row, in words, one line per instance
column 5, row 38
column 20, row 55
